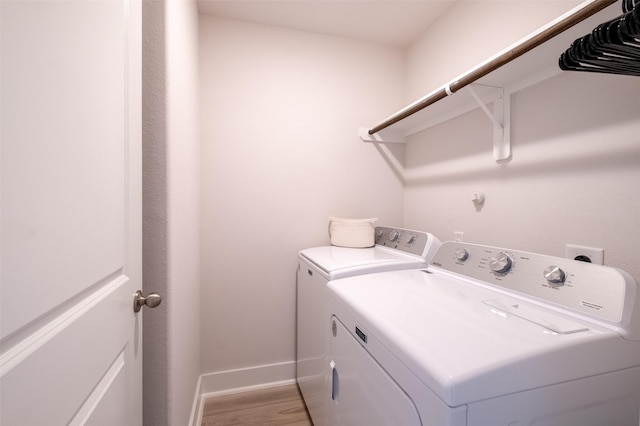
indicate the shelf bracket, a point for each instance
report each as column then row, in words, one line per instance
column 501, row 119
column 383, row 136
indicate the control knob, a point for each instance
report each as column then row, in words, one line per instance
column 501, row 263
column 554, row 274
column 411, row 239
column 461, row 254
column 394, row 236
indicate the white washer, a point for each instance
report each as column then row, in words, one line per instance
column 394, row 249
column 486, row 337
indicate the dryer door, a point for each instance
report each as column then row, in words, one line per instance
column 360, row 391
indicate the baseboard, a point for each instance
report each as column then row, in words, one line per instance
column 240, row 380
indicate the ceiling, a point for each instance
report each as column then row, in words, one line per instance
column 391, row 22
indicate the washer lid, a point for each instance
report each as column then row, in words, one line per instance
column 340, row 262
column 467, row 342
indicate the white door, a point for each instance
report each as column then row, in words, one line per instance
column 70, row 348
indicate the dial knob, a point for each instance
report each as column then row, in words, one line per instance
column 461, row 254
column 411, row 239
column 501, row 263
column 554, row 274
column 394, row 236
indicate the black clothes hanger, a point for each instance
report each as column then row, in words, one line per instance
column 628, row 5
column 612, row 47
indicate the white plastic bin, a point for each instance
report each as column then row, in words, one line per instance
column 357, row 233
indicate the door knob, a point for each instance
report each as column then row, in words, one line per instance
column 152, row 300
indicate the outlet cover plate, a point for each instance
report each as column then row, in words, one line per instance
column 595, row 254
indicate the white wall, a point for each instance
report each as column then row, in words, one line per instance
column 183, row 135
column 171, row 210
column 470, row 32
column 575, row 173
column 280, row 154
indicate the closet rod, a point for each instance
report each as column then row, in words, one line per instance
column 519, row 50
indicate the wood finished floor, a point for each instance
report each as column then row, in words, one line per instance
column 282, row 405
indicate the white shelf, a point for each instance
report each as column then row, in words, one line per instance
column 534, row 66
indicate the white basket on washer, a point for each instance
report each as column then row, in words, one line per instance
column 356, row 233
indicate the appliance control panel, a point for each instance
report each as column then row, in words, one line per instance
column 596, row 290
column 408, row 241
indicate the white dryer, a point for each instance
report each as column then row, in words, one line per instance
column 394, row 249
column 485, row 337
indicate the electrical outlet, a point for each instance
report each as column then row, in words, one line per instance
column 585, row 254
column 458, row 236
